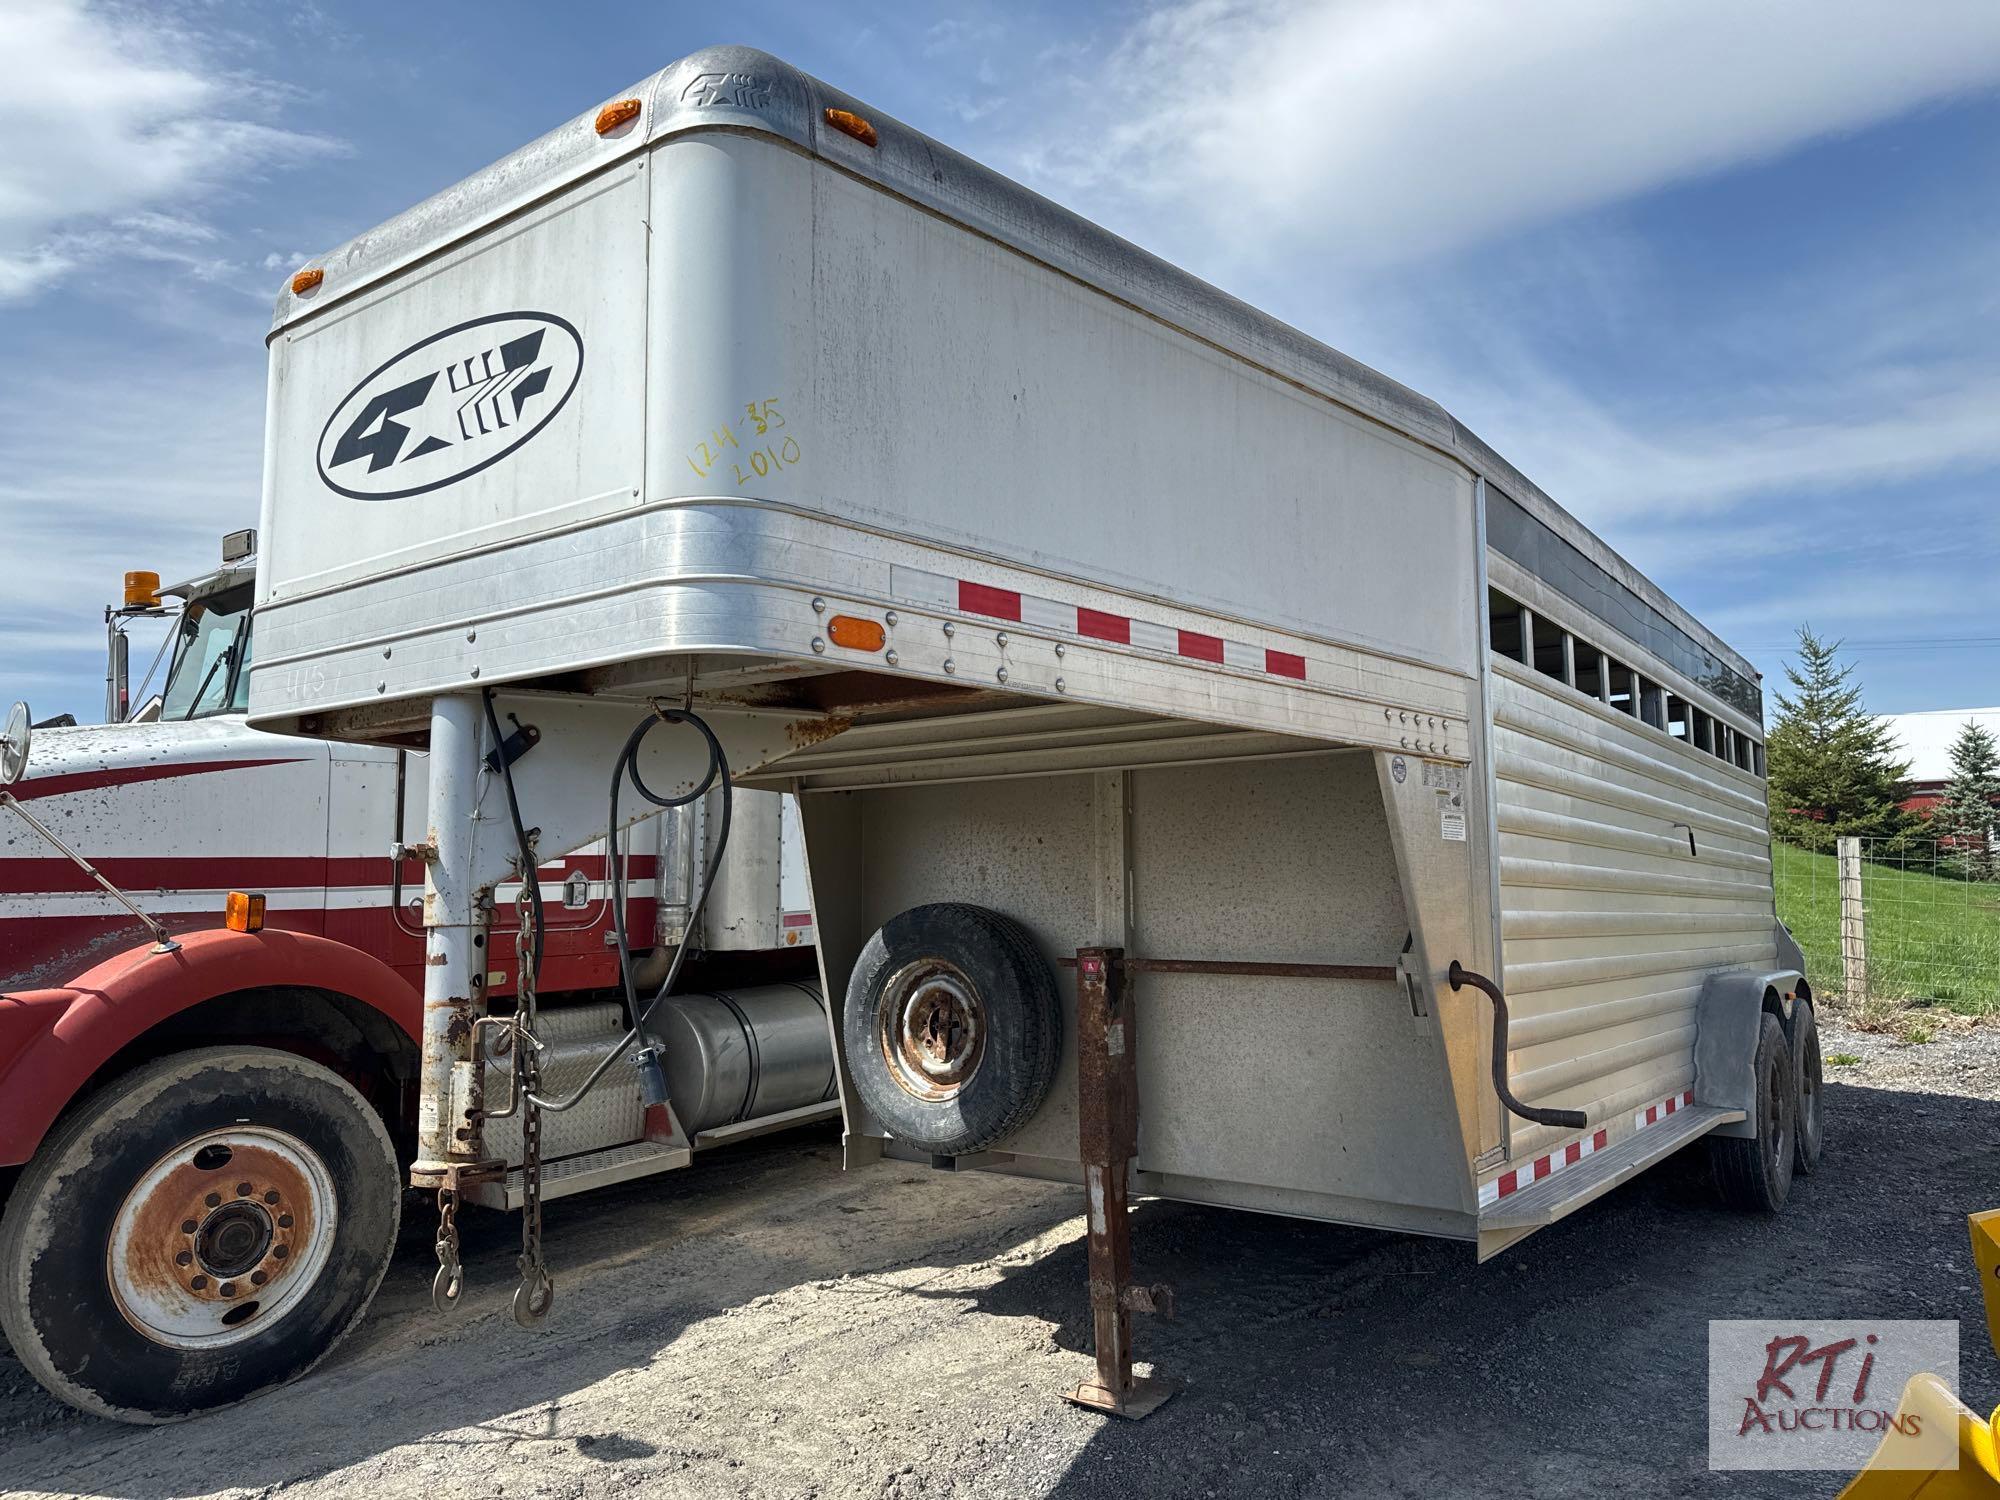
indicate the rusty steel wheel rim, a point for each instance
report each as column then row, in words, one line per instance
column 932, row 1027
column 221, row 1237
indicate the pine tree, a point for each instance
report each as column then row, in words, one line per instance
column 1831, row 768
column 1963, row 821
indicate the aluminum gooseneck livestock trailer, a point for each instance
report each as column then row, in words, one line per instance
column 1223, row 776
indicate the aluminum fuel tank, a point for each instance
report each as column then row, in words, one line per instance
column 741, row 1054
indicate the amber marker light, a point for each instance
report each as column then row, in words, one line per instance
column 306, row 280
column 243, row 912
column 849, row 123
column 855, row 633
column 619, row 112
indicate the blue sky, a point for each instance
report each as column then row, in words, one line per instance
column 1720, row 276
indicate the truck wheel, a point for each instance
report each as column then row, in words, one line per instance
column 1805, row 1047
column 1756, row 1172
column 952, row 1027
column 201, row 1229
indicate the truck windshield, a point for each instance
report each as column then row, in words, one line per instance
column 211, row 668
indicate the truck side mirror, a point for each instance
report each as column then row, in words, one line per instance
column 14, row 745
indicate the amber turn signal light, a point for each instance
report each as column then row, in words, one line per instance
column 306, row 280
column 849, row 123
column 856, row 634
column 243, row 912
column 619, row 112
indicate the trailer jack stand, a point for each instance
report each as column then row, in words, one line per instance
column 1108, row 1136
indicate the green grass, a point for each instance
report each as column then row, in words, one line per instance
column 1931, row 941
column 1842, row 1059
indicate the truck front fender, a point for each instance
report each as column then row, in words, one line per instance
column 52, row 1042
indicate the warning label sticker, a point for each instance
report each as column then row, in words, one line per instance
column 1451, row 816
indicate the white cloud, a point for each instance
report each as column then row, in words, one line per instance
column 1377, row 131
column 85, row 498
column 1818, row 439
column 113, row 131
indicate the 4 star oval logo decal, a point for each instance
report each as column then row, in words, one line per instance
column 450, row 405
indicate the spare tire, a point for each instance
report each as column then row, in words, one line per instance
column 952, row 1027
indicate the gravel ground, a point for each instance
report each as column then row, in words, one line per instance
column 765, row 1325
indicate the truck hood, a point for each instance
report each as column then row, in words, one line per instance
column 166, row 811
column 97, row 757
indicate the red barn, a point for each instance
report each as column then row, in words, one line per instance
column 1926, row 739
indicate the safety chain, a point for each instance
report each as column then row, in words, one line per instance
column 537, row 1291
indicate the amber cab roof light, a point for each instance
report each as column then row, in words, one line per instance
column 142, row 590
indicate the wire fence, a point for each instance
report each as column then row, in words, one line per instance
column 1888, row 923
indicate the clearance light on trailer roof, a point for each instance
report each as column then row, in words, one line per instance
column 619, row 112
column 856, row 634
column 849, row 123
column 306, row 280
column 142, row 590
column 243, row 912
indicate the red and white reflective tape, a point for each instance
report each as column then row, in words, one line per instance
column 1509, row 1183
column 1652, row 1114
column 964, row 597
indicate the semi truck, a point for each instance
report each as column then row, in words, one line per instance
column 1223, row 776
column 211, row 964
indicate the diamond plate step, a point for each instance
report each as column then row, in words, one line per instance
column 579, row 1174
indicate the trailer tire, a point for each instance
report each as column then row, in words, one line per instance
column 1755, row 1172
column 289, row 1181
column 952, row 1027
column 1810, row 1134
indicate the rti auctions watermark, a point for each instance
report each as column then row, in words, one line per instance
column 1823, row 1393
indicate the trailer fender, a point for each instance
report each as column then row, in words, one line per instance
column 55, row 1040
column 1727, row 1018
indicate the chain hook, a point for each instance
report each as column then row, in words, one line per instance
column 450, row 1279
column 534, row 1296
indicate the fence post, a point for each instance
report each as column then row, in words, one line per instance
column 1853, row 931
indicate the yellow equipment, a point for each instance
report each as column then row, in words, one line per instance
column 1977, row 1476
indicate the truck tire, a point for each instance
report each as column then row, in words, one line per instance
column 1810, row 1134
column 204, row 1228
column 1755, row 1172
column 952, row 1027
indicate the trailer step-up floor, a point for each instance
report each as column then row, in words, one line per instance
column 1572, row 1187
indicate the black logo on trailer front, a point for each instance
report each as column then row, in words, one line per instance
column 450, row 405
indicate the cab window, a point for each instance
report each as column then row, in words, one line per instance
column 211, row 666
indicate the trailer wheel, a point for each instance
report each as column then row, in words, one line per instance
column 201, row 1229
column 1805, row 1047
column 1755, row 1172
column 952, row 1027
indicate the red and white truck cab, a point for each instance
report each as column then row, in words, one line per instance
column 205, row 1102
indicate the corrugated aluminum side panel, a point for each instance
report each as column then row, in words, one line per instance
column 1609, row 923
